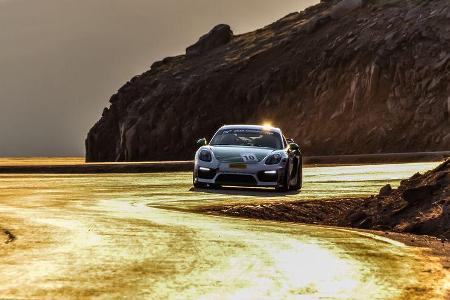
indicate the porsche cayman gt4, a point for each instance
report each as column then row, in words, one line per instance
column 248, row 155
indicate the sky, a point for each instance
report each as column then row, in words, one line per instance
column 61, row 60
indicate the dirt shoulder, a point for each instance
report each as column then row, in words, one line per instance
column 319, row 212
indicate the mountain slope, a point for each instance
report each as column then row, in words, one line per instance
column 342, row 77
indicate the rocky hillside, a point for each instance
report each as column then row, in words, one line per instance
column 342, row 77
column 420, row 205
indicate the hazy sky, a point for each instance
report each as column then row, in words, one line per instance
column 61, row 60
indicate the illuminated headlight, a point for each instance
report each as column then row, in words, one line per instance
column 204, row 169
column 270, row 172
column 205, row 155
column 273, row 159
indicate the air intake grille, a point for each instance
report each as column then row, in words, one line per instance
column 262, row 176
column 207, row 174
column 236, row 179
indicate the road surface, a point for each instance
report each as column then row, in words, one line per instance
column 107, row 236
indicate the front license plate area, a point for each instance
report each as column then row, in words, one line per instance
column 238, row 166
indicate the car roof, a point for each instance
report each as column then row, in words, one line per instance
column 258, row 127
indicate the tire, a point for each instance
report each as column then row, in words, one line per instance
column 286, row 180
column 298, row 183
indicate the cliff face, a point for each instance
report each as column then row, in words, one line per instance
column 342, row 77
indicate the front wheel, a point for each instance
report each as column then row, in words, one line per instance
column 298, row 179
column 298, row 184
column 285, row 183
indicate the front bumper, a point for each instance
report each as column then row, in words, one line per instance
column 256, row 174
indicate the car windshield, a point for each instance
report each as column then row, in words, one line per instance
column 248, row 137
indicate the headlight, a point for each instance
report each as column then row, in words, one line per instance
column 205, row 155
column 274, row 159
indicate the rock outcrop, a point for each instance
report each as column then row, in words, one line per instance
column 218, row 36
column 421, row 205
column 341, row 77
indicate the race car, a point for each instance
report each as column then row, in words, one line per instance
column 248, row 155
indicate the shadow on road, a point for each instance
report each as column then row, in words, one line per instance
column 247, row 191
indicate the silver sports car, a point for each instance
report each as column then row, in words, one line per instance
column 248, row 155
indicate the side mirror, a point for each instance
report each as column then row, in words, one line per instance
column 290, row 141
column 202, row 142
column 294, row 147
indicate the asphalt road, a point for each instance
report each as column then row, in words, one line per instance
column 116, row 235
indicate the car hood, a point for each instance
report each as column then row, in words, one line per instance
column 236, row 154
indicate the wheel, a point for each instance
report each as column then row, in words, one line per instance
column 285, row 187
column 298, row 178
column 297, row 184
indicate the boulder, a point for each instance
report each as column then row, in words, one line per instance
column 385, row 190
column 218, row 36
